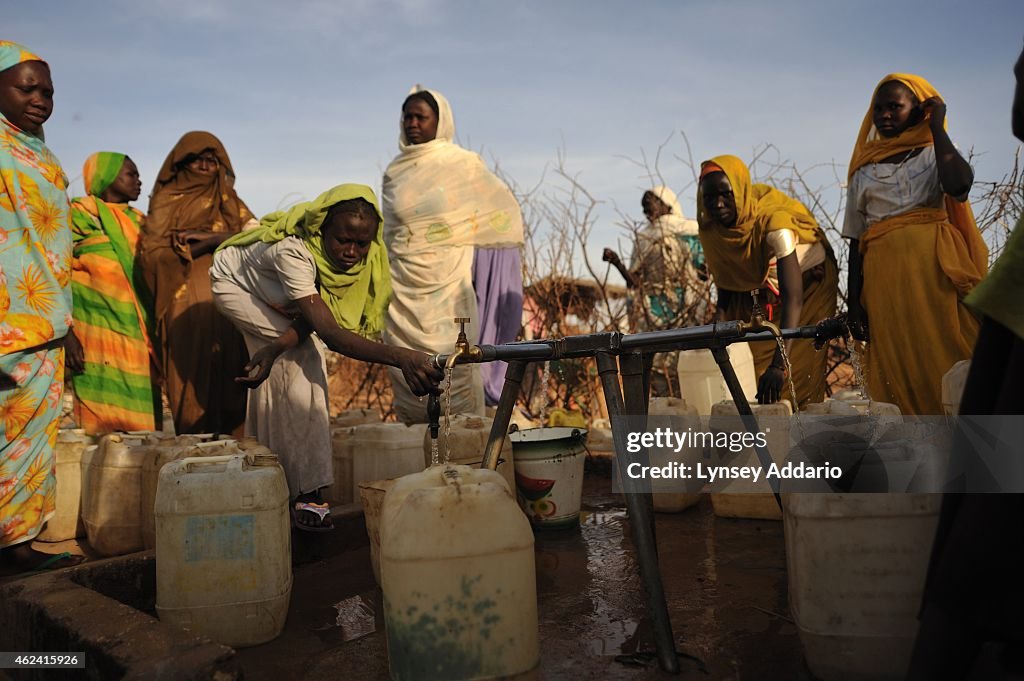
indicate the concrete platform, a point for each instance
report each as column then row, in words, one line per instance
column 105, row 609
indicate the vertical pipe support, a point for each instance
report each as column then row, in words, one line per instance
column 503, row 414
column 639, row 513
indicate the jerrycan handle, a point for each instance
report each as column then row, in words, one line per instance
column 210, row 444
column 229, row 459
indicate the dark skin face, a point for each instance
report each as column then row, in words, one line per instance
column 347, row 238
column 719, row 201
column 419, row 122
column 653, row 207
column 26, row 95
column 895, row 109
column 206, row 163
column 126, row 187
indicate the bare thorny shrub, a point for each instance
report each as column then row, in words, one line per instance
column 569, row 293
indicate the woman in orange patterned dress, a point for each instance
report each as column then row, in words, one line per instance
column 35, row 305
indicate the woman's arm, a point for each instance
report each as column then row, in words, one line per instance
column 856, row 317
column 262, row 361
column 416, row 368
column 611, row 257
column 421, row 376
column 200, row 242
column 955, row 174
column 791, row 291
column 74, row 353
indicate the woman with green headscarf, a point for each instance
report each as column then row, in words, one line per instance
column 319, row 267
column 113, row 364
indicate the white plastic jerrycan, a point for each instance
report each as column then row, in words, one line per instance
column 457, row 570
column 674, row 498
column 700, row 380
column 223, row 547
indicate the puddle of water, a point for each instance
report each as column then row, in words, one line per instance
column 602, row 517
column 613, row 637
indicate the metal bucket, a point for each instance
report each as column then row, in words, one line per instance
column 549, row 474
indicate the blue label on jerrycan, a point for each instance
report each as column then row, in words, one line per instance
column 219, row 537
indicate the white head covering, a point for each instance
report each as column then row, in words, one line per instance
column 674, row 222
column 439, row 194
column 445, row 123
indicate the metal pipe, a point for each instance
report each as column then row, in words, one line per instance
column 640, row 523
column 689, row 338
column 503, row 414
column 746, row 414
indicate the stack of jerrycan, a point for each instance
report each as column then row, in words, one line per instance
column 465, row 446
column 373, row 451
column 159, row 452
column 857, row 562
column 700, row 380
column 66, row 522
column 340, row 491
column 372, row 495
column 355, row 417
column 119, row 486
column 674, row 495
column 458, row 575
column 744, row 498
column 223, row 547
column 466, row 443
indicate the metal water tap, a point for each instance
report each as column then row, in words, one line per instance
column 757, row 319
column 462, row 346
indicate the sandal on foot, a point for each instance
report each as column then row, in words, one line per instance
column 323, row 511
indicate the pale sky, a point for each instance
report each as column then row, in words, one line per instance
column 305, row 94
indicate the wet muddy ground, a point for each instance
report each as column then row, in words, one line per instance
column 725, row 581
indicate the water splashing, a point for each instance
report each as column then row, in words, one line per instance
column 792, row 387
column 858, row 369
column 447, row 415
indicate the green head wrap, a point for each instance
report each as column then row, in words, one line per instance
column 100, row 171
column 358, row 297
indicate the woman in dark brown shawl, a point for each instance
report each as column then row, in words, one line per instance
column 192, row 210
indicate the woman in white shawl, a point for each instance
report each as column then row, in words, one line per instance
column 440, row 203
column 664, row 266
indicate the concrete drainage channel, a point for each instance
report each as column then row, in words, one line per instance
column 107, row 609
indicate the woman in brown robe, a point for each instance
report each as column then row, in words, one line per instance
column 192, row 210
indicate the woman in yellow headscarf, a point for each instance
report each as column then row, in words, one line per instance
column 319, row 267
column 113, row 374
column 756, row 237
column 915, row 250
